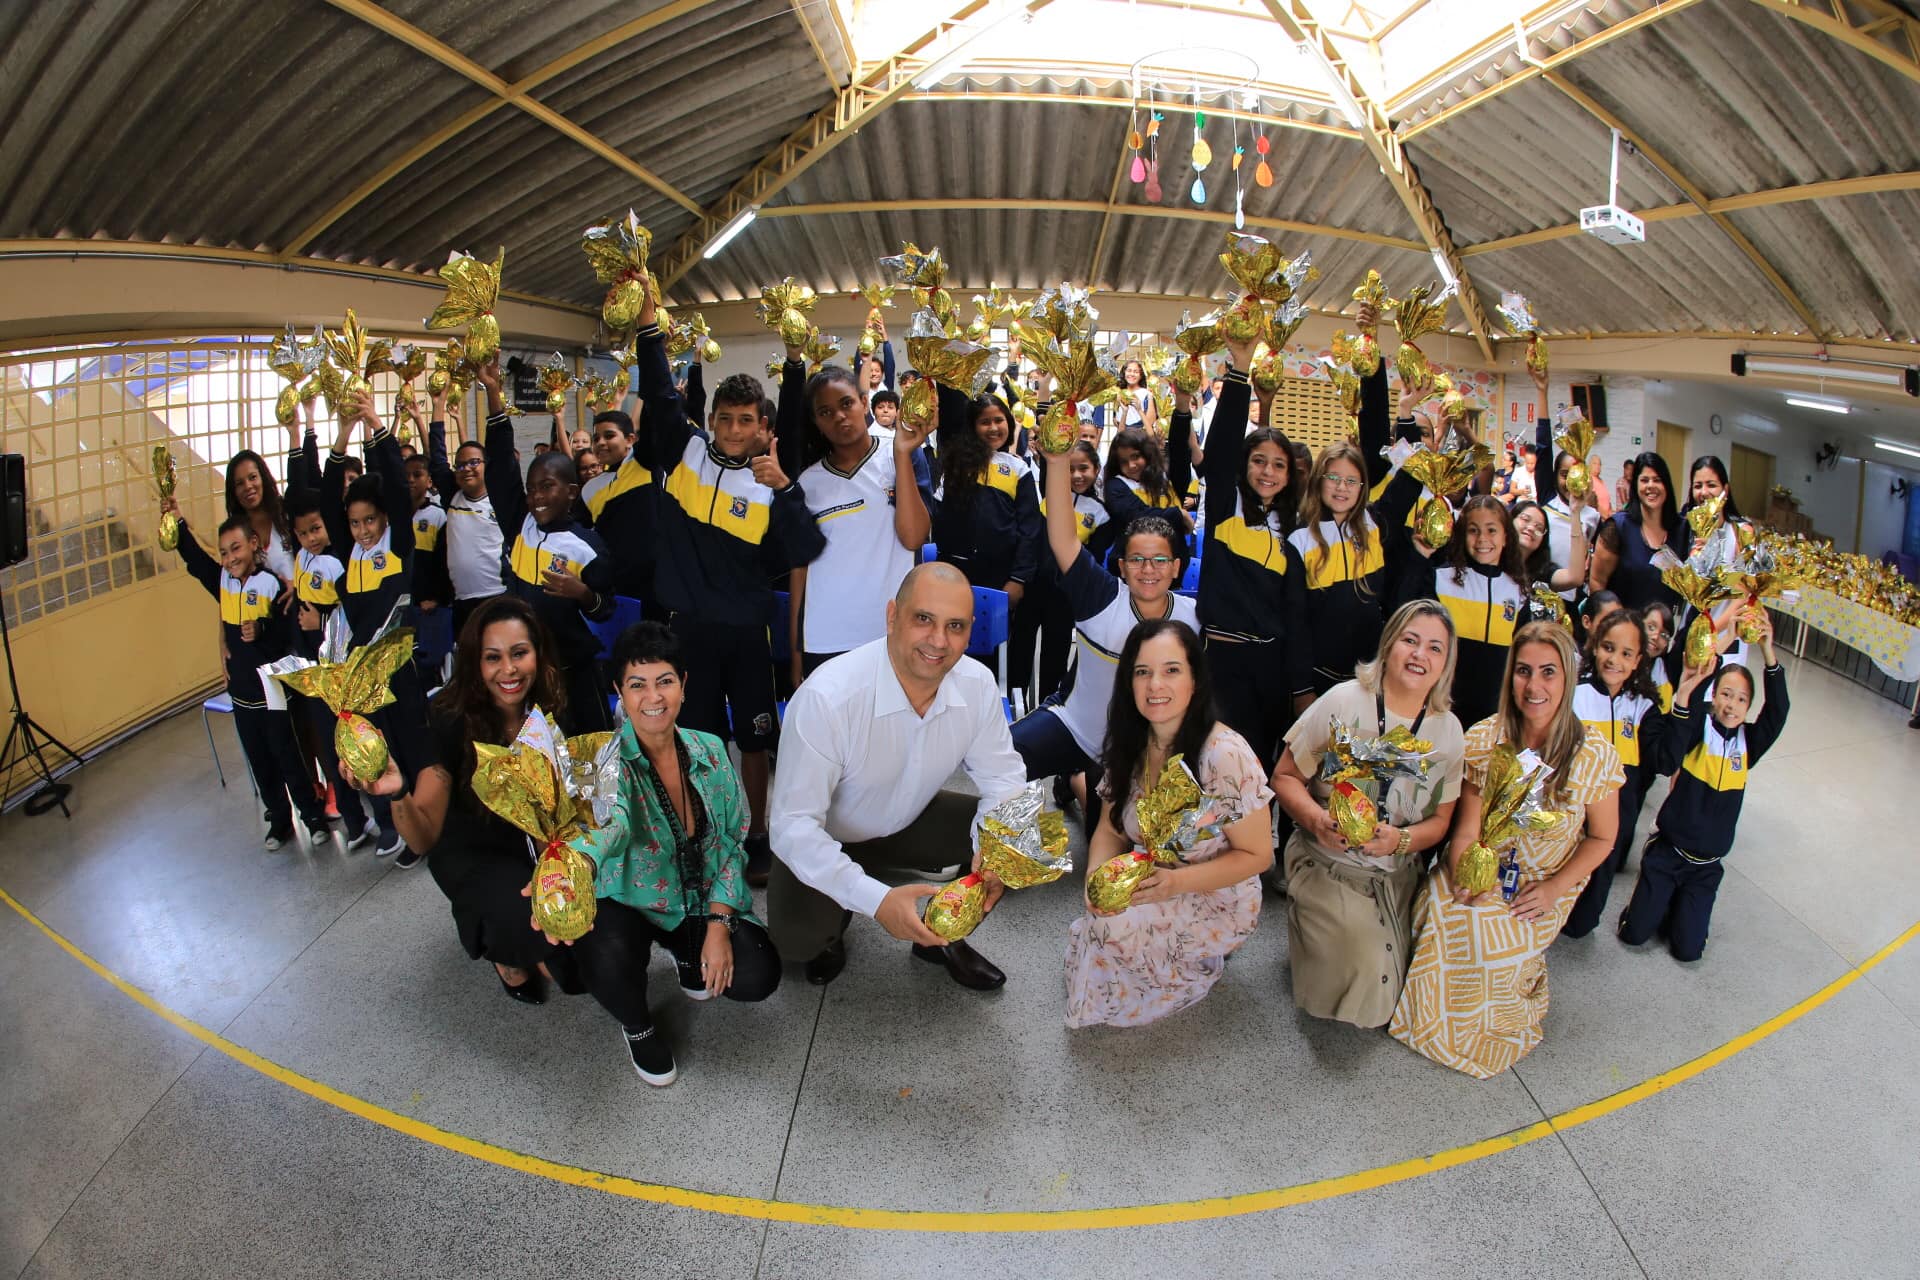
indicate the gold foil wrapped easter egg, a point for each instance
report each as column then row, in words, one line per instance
column 169, row 532
column 957, row 909
column 919, row 403
column 1111, row 886
column 563, row 901
column 359, row 745
column 620, row 309
column 1436, row 522
column 1699, row 642
column 1353, row 813
column 288, row 403
column 1749, row 629
column 1579, row 480
column 1479, row 869
column 1059, row 428
column 556, row 401
column 483, row 339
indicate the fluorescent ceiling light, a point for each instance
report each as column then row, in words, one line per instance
column 1831, row 406
column 1820, row 369
column 1446, row 272
column 1896, row 448
column 961, row 52
column 741, row 221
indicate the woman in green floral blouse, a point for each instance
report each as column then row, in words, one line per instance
column 670, row 860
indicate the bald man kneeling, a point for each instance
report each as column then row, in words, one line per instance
column 867, row 742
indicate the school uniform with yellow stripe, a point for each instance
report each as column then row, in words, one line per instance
column 994, row 536
column 379, row 575
column 1703, row 808
column 430, row 581
column 251, row 600
column 316, row 582
column 1345, row 584
column 621, row 502
column 1487, row 607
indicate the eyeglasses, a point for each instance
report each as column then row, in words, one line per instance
column 1341, row 482
column 468, row 464
column 1141, row 562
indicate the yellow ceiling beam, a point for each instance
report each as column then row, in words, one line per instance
column 1496, row 44
column 511, row 94
column 1693, row 194
column 1297, row 19
column 961, row 96
column 1109, row 208
column 800, row 12
column 1891, row 39
column 875, row 87
column 1836, row 189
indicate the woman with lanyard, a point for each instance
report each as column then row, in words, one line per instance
column 1252, row 582
column 1626, row 553
column 1476, row 991
column 1350, row 907
column 1064, row 737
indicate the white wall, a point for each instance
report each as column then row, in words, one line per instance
column 1761, row 420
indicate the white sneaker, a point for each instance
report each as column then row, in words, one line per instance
column 368, row 833
column 388, row 850
column 277, row 839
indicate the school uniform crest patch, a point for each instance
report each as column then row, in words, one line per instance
column 738, row 509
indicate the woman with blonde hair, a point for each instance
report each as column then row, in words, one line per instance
column 1350, row 906
column 1476, row 993
column 1340, row 541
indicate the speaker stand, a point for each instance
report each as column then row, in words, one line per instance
column 28, row 741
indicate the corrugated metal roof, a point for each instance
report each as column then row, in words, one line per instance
column 236, row 124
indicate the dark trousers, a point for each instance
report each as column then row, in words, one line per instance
column 587, row 692
column 1675, row 897
column 266, row 737
column 1586, row 913
column 1049, row 751
column 1249, row 689
column 320, row 722
column 729, row 681
column 612, row 960
column 804, row 922
column 1055, row 625
column 1042, row 600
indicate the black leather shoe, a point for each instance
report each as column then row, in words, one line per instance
column 964, row 965
column 759, row 863
column 532, row 991
column 826, row 966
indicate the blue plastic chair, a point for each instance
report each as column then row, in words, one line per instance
column 626, row 612
column 1190, row 579
column 433, row 636
column 992, row 628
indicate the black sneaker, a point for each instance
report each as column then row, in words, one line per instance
column 408, row 858
column 652, row 1056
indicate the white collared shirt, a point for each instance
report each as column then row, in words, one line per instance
column 857, row 763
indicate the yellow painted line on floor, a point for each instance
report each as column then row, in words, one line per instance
column 1175, row 1211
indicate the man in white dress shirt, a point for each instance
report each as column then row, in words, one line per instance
column 867, row 742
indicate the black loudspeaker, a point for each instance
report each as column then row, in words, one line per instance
column 1740, row 364
column 13, row 509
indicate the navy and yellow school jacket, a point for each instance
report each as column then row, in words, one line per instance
column 1252, row 580
column 430, row 580
column 722, row 535
column 994, row 535
column 1487, row 607
column 1703, row 808
column 1630, row 722
column 377, row 576
column 241, row 602
column 316, row 582
column 532, row 548
column 621, row 504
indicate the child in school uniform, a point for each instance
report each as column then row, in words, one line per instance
column 316, row 593
column 1715, row 749
column 1616, row 698
column 255, row 633
column 557, row 565
column 379, row 575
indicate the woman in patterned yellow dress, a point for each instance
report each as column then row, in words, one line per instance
column 1167, row 949
column 1477, row 990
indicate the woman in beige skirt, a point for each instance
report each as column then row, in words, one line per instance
column 1350, row 907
